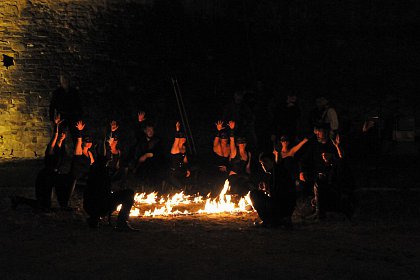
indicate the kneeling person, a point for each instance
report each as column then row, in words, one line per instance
column 276, row 203
column 99, row 200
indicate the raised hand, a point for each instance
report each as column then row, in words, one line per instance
column 231, row 124
column 80, row 125
column 177, row 126
column 57, row 119
column 141, row 116
column 219, row 125
column 114, row 126
column 336, row 141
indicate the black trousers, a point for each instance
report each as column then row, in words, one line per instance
column 239, row 184
column 46, row 181
column 271, row 211
column 100, row 207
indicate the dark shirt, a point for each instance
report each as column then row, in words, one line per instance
column 80, row 165
column 238, row 165
column 53, row 161
column 282, row 187
column 311, row 162
column 96, row 198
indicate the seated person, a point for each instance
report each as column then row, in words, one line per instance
column 276, row 201
column 100, row 201
column 240, row 164
column 146, row 153
column 221, row 149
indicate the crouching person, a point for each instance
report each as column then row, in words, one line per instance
column 276, row 201
column 100, row 201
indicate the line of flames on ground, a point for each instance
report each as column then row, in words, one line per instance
column 165, row 206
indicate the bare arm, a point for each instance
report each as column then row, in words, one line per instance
column 78, row 148
column 232, row 140
column 336, row 143
column 248, row 165
column 175, row 145
column 296, row 148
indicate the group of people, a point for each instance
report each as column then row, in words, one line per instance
column 317, row 162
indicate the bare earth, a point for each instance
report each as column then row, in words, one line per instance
column 382, row 242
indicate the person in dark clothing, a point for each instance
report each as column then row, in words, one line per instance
column 179, row 160
column 66, row 102
column 239, row 112
column 221, row 150
column 116, row 158
column 100, row 201
column 324, row 166
column 49, row 177
column 286, row 117
column 276, row 202
column 240, row 164
column 81, row 161
column 147, row 151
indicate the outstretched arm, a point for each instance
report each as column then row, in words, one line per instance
column 217, row 148
column 78, row 148
column 336, row 143
column 296, row 148
column 232, row 139
column 53, row 141
column 175, row 145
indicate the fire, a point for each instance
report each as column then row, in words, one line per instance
column 182, row 204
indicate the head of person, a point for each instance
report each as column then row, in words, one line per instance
column 267, row 162
column 291, row 99
column 64, row 80
column 321, row 103
column 87, row 142
column 321, row 131
column 241, row 143
column 62, row 135
column 238, row 97
column 149, row 130
column 224, row 138
column 284, row 141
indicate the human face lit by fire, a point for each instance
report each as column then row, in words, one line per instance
column 321, row 135
column 224, row 142
column 284, row 144
column 149, row 131
column 87, row 145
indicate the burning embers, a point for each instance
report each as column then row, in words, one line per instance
column 152, row 205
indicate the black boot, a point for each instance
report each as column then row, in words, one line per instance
column 125, row 227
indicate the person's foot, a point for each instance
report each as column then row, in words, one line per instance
column 125, row 227
column 261, row 224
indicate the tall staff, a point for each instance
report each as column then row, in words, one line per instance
column 184, row 117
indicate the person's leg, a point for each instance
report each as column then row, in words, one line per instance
column 260, row 202
column 126, row 199
column 64, row 185
column 43, row 188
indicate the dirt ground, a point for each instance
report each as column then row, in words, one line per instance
column 382, row 242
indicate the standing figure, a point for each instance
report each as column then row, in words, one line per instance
column 323, row 113
column 66, row 102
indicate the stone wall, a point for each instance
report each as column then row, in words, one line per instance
column 45, row 37
column 117, row 52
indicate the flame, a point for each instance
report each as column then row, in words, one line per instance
column 177, row 204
